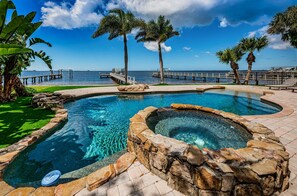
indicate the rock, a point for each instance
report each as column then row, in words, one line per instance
column 227, row 182
column 5, row 188
column 267, row 185
column 181, row 170
column 137, row 118
column 182, row 185
column 50, row 101
column 41, row 191
column 285, row 168
column 169, row 146
column 142, row 156
column 247, row 189
column 99, row 177
column 279, row 178
column 185, row 106
column 212, row 193
column 264, row 145
column 264, row 167
column 70, row 188
column 159, row 161
column 133, row 88
column 124, row 162
column 8, row 157
column 21, row 191
column 245, row 174
column 230, row 154
column 250, row 154
column 219, row 166
column 194, row 155
column 130, row 146
column 283, row 154
column 285, row 184
column 205, row 178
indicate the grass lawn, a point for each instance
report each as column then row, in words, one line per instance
column 51, row 89
column 18, row 119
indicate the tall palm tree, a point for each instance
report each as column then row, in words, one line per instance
column 118, row 23
column 250, row 45
column 285, row 24
column 158, row 31
column 231, row 56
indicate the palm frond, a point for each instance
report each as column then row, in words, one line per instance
column 34, row 41
column 42, row 55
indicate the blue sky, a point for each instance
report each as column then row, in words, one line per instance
column 206, row 26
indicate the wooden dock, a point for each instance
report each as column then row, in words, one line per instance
column 104, row 75
column 265, row 78
column 120, row 78
column 39, row 79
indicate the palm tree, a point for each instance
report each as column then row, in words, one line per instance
column 118, row 23
column 157, row 31
column 285, row 24
column 231, row 56
column 250, row 45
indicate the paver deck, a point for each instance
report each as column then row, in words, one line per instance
column 139, row 181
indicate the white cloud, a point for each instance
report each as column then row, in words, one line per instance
column 207, row 52
column 196, row 56
column 202, row 12
column 275, row 41
column 67, row 16
column 224, row 22
column 153, row 46
column 186, row 48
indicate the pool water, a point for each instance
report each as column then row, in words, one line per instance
column 97, row 128
column 198, row 128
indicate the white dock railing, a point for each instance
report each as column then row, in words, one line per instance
column 120, row 78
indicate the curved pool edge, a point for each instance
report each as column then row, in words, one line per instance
column 8, row 154
column 190, row 170
column 266, row 94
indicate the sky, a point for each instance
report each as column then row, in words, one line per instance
column 205, row 26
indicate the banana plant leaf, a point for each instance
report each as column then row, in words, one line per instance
column 12, row 49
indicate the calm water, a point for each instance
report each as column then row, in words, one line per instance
column 92, row 78
column 97, row 128
column 200, row 129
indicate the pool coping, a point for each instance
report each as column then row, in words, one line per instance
column 8, row 154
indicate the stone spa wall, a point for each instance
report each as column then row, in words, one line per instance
column 259, row 169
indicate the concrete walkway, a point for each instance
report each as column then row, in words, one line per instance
column 138, row 181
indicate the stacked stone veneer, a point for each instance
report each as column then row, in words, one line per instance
column 259, row 169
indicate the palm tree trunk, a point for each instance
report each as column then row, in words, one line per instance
column 247, row 78
column 9, row 78
column 19, row 88
column 126, row 58
column 237, row 76
column 250, row 59
column 235, row 67
column 161, row 64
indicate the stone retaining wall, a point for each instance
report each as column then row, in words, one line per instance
column 259, row 169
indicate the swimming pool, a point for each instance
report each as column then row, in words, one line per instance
column 96, row 132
